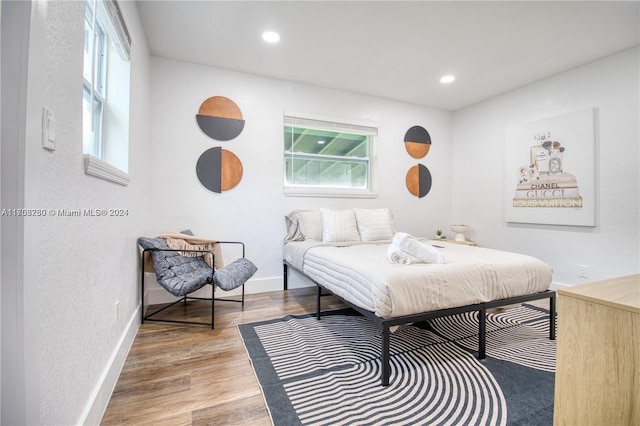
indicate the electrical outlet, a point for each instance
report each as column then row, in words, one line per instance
column 116, row 309
column 584, row 271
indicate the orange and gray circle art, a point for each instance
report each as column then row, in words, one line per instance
column 220, row 118
column 417, row 142
column 219, row 169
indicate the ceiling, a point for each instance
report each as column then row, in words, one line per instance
column 395, row 49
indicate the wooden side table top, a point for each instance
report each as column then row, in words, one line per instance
column 620, row 293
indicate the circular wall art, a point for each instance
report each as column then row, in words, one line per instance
column 220, row 118
column 218, row 169
column 419, row 180
column 417, row 141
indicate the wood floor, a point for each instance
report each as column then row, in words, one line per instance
column 191, row 375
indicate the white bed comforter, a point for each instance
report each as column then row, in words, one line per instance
column 361, row 274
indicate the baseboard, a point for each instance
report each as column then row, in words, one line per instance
column 157, row 295
column 99, row 400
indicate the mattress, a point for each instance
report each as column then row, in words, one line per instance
column 361, row 274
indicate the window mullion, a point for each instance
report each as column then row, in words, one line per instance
column 94, row 43
column 326, row 156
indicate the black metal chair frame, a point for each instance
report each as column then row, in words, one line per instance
column 186, row 297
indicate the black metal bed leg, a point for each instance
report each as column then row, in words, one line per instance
column 386, row 367
column 318, row 296
column 552, row 317
column 284, row 275
column 482, row 333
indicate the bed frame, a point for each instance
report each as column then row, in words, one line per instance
column 384, row 324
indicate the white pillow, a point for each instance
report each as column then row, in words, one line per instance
column 374, row 224
column 339, row 226
column 310, row 224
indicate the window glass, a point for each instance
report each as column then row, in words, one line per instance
column 90, row 123
column 327, row 157
column 87, row 67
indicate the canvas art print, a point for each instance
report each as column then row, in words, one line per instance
column 550, row 171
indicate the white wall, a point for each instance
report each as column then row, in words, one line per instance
column 610, row 248
column 254, row 210
column 76, row 268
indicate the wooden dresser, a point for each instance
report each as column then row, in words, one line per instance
column 598, row 354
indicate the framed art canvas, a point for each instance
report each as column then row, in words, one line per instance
column 550, row 170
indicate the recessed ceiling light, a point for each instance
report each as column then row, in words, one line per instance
column 321, row 142
column 447, row 79
column 271, row 36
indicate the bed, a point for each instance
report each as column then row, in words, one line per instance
column 345, row 253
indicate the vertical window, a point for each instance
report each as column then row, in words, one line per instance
column 323, row 157
column 105, row 86
column 93, row 73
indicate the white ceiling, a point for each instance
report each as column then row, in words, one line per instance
column 393, row 49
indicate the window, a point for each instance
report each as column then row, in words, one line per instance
column 106, row 76
column 324, row 157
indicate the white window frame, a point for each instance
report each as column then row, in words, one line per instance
column 95, row 93
column 333, row 124
column 107, row 26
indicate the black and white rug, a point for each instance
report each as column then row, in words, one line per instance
column 327, row 372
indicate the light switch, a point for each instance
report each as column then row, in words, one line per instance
column 48, row 130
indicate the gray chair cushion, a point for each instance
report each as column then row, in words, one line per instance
column 234, row 274
column 179, row 275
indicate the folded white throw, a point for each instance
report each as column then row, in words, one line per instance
column 396, row 255
column 416, row 248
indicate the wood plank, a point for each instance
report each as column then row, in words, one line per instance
column 181, row 374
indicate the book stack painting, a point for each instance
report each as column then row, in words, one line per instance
column 544, row 183
column 550, row 170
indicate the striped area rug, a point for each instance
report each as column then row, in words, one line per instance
column 327, row 372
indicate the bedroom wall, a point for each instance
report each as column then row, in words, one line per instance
column 610, row 248
column 75, row 269
column 254, row 210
